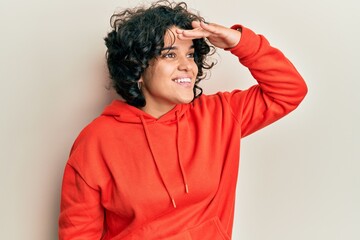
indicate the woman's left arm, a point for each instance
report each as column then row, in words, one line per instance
column 280, row 87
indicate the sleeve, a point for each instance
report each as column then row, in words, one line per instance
column 81, row 214
column 280, row 87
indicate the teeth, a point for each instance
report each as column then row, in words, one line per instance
column 183, row 80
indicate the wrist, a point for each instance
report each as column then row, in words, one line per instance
column 236, row 37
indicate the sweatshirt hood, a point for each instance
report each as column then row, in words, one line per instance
column 126, row 113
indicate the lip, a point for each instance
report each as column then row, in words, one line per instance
column 186, row 84
column 180, row 77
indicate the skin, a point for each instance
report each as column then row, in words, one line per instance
column 169, row 80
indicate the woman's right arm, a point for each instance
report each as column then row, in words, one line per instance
column 81, row 214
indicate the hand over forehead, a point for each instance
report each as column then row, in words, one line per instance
column 219, row 36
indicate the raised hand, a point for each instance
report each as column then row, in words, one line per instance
column 219, row 36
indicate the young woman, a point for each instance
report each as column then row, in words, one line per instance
column 163, row 163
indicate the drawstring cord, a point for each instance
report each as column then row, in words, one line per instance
column 178, row 153
column 156, row 164
column 178, row 132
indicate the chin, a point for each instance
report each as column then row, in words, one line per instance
column 186, row 102
column 188, row 99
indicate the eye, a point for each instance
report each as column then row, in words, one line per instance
column 191, row 55
column 169, row 55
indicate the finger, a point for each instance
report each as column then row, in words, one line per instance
column 204, row 25
column 180, row 34
column 209, row 27
column 179, row 31
column 200, row 30
column 193, row 34
column 195, row 24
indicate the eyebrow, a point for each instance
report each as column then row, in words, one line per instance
column 172, row 48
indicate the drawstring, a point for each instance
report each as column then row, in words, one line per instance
column 178, row 132
column 156, row 164
column 178, row 153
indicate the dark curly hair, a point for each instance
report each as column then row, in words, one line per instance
column 138, row 36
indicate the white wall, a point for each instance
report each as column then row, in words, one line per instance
column 299, row 177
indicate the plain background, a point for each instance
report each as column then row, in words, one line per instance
column 299, row 178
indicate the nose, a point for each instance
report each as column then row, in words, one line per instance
column 185, row 63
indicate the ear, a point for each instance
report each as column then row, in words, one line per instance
column 139, row 83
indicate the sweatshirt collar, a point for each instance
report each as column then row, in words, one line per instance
column 124, row 112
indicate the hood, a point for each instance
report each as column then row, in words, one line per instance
column 126, row 113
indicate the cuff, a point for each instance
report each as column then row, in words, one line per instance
column 249, row 42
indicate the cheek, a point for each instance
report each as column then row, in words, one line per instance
column 158, row 77
column 196, row 69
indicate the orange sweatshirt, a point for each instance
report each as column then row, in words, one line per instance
column 131, row 176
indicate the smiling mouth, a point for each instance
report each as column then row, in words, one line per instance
column 183, row 80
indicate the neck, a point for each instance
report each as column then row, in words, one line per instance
column 158, row 111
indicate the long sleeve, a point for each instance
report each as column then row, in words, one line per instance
column 280, row 87
column 81, row 214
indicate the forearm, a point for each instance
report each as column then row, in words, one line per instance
column 276, row 75
column 280, row 87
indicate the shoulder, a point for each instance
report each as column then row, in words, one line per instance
column 92, row 138
column 86, row 155
column 96, row 129
column 216, row 99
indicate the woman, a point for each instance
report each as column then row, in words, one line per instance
column 163, row 163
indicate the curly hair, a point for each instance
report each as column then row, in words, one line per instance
column 138, row 36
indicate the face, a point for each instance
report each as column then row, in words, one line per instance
column 170, row 77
